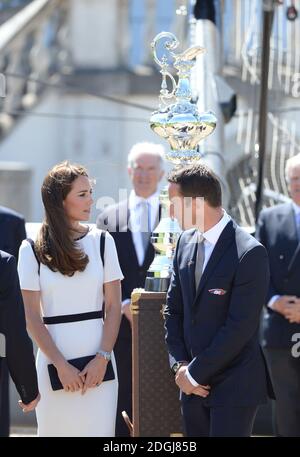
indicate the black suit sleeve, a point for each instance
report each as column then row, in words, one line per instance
column 262, row 237
column 19, row 349
column 247, row 298
column 174, row 317
column 20, row 235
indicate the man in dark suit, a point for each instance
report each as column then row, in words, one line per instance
column 217, row 291
column 12, row 233
column 15, row 343
column 278, row 229
column 130, row 223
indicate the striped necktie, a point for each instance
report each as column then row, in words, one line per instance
column 199, row 260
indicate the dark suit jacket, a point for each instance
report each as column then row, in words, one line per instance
column 12, row 231
column 218, row 334
column 276, row 230
column 19, row 350
column 115, row 220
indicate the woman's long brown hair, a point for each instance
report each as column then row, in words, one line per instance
column 55, row 246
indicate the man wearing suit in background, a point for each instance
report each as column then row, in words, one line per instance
column 278, row 229
column 130, row 223
column 15, row 343
column 217, row 291
column 12, row 233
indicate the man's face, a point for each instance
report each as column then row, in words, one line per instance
column 145, row 174
column 187, row 210
column 294, row 183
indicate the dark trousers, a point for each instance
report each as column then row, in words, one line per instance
column 4, row 399
column 285, row 373
column 123, row 355
column 201, row 420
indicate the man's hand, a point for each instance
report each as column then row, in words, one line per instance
column 186, row 386
column 202, row 391
column 30, row 406
column 292, row 311
column 283, row 304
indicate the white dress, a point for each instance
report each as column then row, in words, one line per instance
column 61, row 413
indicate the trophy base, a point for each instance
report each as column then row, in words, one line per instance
column 156, row 284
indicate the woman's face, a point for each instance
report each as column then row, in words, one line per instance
column 78, row 202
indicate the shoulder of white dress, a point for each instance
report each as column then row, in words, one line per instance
column 25, row 245
column 94, row 230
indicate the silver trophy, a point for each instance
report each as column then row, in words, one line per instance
column 183, row 127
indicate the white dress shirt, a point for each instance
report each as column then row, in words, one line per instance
column 211, row 237
column 134, row 223
column 296, row 209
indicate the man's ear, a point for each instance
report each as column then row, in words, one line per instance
column 161, row 174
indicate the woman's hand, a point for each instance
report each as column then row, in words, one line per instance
column 93, row 373
column 69, row 377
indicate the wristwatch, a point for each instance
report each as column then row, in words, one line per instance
column 176, row 367
column 106, row 355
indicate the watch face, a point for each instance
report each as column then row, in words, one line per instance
column 106, row 355
column 175, row 367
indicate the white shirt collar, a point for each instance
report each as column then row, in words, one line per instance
column 213, row 234
column 134, row 200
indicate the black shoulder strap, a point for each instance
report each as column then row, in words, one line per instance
column 31, row 242
column 102, row 246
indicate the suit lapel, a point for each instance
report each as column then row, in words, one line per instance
column 123, row 227
column 150, row 252
column 225, row 240
column 192, row 263
column 292, row 246
column 189, row 259
column 287, row 225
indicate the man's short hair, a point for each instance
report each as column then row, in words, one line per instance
column 290, row 163
column 154, row 149
column 198, row 180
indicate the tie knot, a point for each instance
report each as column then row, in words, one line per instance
column 144, row 216
column 143, row 205
column 200, row 237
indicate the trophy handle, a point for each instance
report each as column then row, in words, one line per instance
column 165, row 94
column 169, row 45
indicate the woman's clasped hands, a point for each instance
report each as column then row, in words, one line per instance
column 91, row 376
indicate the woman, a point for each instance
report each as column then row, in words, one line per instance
column 62, row 278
